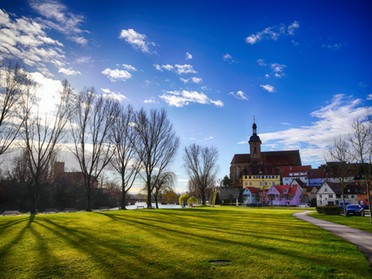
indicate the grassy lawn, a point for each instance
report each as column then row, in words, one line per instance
column 358, row 222
column 174, row 243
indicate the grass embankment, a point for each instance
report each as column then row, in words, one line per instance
column 358, row 222
column 259, row 243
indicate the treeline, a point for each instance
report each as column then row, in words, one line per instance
column 97, row 129
column 100, row 133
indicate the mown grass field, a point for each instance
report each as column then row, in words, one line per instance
column 174, row 243
column 358, row 222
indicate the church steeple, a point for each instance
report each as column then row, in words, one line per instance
column 255, row 142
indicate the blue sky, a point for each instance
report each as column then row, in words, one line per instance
column 301, row 68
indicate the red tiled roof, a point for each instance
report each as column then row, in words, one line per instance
column 296, row 170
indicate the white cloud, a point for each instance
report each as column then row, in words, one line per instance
column 261, row 62
column 240, row 95
column 196, row 80
column 116, row 74
column 113, row 95
column 136, row 40
column 69, row 72
column 184, row 97
column 369, row 98
column 59, row 18
column 331, row 121
column 273, row 33
column 188, row 56
column 184, row 69
column 335, row 46
column 177, row 68
column 227, row 57
column 129, row 67
column 278, row 69
column 84, row 60
column 151, row 100
column 268, row 88
column 25, row 39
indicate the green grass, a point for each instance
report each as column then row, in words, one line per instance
column 358, row 222
column 259, row 243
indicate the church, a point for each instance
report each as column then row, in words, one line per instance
column 261, row 169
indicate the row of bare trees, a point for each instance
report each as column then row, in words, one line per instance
column 353, row 154
column 98, row 130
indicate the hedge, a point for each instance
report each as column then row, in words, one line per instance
column 328, row 210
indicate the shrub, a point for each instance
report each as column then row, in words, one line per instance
column 328, row 210
column 192, row 200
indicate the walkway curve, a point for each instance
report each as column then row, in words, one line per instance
column 361, row 239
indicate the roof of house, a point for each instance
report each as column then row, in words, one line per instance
column 294, row 171
column 316, row 173
column 252, row 189
column 299, row 182
column 286, row 189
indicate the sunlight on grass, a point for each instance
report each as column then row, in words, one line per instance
column 256, row 243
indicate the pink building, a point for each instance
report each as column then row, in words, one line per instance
column 284, row 195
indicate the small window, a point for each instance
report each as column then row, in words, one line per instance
column 330, row 196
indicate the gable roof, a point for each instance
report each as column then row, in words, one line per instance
column 294, row 171
column 253, row 190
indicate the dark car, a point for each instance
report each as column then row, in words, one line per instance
column 354, row 209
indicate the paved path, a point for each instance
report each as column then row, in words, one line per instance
column 361, row 239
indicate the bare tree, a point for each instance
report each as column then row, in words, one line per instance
column 339, row 160
column 42, row 131
column 361, row 148
column 90, row 129
column 125, row 160
column 14, row 83
column 201, row 166
column 165, row 182
column 157, row 145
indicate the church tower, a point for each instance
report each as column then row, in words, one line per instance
column 255, row 143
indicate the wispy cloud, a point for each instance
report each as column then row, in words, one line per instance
column 188, row 56
column 335, row 46
column 313, row 140
column 240, row 95
column 268, row 88
column 25, row 39
column 369, row 98
column 59, row 18
column 277, row 70
column 184, row 97
column 177, row 68
column 228, row 58
column 196, row 80
column 273, row 33
column 137, row 40
column 151, row 100
column 116, row 74
column 69, row 72
column 113, row 95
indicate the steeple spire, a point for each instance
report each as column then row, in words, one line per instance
column 255, row 142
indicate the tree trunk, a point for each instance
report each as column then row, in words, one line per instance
column 123, row 194
column 149, row 205
column 156, row 200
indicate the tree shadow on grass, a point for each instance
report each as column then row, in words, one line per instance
column 4, row 250
column 260, row 248
column 112, row 259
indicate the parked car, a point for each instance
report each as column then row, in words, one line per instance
column 354, row 209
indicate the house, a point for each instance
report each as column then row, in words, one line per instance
column 310, row 195
column 251, row 196
column 328, row 194
column 289, row 173
column 260, row 166
column 316, row 177
column 284, row 195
